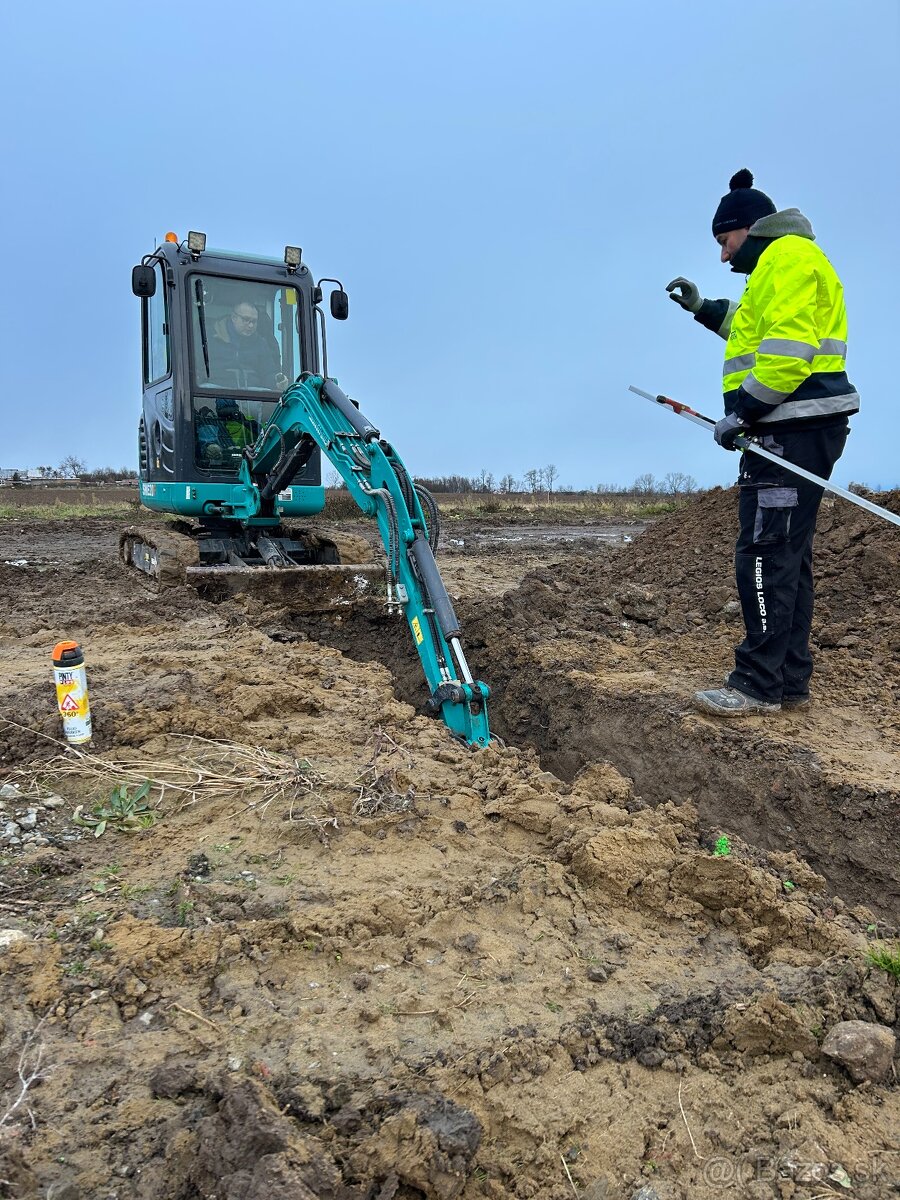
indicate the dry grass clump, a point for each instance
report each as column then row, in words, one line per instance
column 380, row 791
column 206, row 770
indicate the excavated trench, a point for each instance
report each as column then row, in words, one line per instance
column 774, row 797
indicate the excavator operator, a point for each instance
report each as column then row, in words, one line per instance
column 241, row 355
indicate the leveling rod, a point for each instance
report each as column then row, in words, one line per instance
column 746, row 443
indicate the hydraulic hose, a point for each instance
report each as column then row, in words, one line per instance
column 432, row 516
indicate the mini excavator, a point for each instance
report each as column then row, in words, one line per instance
column 238, row 409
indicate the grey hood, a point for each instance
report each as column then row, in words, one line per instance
column 778, row 224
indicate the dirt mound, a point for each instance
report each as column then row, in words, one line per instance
column 680, row 573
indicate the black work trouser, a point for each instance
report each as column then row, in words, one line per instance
column 773, row 560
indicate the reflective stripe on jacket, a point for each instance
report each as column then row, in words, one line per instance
column 785, row 357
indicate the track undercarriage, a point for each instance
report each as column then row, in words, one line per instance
column 284, row 565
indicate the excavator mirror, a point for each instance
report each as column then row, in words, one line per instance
column 340, row 305
column 143, row 281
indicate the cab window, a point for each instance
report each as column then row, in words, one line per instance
column 244, row 334
column 156, row 331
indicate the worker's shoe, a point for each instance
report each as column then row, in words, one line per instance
column 729, row 702
column 794, row 702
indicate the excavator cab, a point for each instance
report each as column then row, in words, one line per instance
column 222, row 337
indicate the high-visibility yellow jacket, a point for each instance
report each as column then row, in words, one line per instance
column 785, row 358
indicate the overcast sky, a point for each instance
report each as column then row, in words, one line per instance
column 504, row 187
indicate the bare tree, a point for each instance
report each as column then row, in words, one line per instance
column 484, row 481
column 334, row 480
column 645, row 485
column 507, row 485
column 534, row 479
column 551, row 474
column 71, row 467
column 676, row 483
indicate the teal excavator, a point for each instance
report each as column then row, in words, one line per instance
column 238, row 410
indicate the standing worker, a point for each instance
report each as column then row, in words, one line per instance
column 785, row 385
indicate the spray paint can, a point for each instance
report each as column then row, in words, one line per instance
column 71, row 691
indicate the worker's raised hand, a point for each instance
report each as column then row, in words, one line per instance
column 686, row 293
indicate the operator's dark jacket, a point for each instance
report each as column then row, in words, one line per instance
column 239, row 361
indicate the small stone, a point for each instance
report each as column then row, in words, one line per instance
column 29, row 820
column 54, row 802
column 651, row 1057
column 11, row 829
column 234, row 1063
column 864, row 1049
column 878, row 991
column 597, row 974
column 169, row 1081
column 9, row 791
column 645, row 1193
column 360, row 981
column 9, row 937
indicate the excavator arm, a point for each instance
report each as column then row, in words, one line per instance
column 315, row 412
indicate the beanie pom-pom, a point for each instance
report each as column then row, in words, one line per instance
column 742, row 179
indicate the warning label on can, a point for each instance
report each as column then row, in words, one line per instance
column 72, row 701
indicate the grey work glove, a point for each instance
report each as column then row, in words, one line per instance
column 685, row 293
column 728, row 429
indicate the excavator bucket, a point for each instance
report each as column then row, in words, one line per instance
column 299, row 568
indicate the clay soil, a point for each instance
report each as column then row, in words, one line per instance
column 352, row 959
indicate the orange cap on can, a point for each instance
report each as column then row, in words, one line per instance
column 66, row 654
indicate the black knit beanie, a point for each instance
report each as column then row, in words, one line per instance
column 742, row 206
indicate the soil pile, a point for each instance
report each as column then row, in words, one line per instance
column 681, row 570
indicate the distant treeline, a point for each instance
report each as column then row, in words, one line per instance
column 543, row 480
column 72, row 468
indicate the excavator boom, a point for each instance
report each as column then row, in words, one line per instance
column 314, row 412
